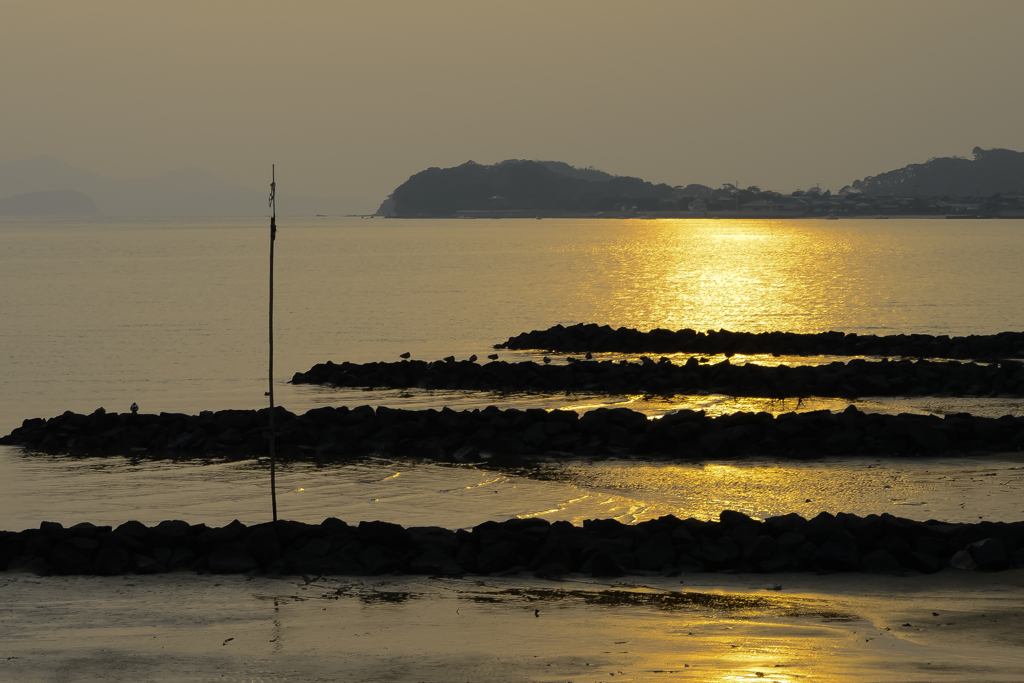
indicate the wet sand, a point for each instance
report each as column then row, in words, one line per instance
column 945, row 627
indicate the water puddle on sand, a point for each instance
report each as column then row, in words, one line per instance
column 113, row 490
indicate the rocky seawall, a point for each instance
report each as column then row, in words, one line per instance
column 853, row 379
column 591, row 337
column 514, row 436
column 880, row 544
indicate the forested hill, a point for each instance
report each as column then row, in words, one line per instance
column 516, row 185
column 992, row 171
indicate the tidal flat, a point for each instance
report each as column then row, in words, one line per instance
column 944, row 627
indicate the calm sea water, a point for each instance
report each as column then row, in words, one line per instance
column 172, row 313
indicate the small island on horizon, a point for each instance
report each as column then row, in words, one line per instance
column 989, row 185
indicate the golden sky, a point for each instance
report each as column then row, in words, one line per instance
column 350, row 98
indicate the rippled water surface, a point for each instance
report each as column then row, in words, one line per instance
column 171, row 314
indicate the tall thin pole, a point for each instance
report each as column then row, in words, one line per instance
column 273, row 236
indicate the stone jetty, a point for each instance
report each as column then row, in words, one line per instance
column 514, row 436
column 591, row 337
column 880, row 544
column 856, row 378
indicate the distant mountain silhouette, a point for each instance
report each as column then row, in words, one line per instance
column 183, row 192
column 517, row 185
column 992, row 171
column 48, row 203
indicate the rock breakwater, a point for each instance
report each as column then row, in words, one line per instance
column 881, row 544
column 592, row 337
column 336, row 434
column 853, row 379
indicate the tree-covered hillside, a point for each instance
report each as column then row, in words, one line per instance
column 992, row 171
column 515, row 185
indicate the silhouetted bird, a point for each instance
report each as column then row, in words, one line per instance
column 472, row 359
column 493, row 356
column 134, row 408
column 589, row 355
column 449, row 359
column 404, row 355
column 546, row 360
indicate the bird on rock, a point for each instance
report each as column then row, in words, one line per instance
column 546, row 360
column 404, row 355
column 589, row 355
column 449, row 359
column 472, row 359
column 493, row 356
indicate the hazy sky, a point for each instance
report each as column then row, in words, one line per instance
column 351, row 98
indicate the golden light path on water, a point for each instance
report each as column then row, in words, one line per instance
column 758, row 275
column 170, row 313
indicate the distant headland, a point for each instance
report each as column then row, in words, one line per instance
column 989, row 185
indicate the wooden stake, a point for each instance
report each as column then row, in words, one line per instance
column 273, row 236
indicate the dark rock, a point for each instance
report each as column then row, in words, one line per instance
column 147, row 565
column 385, row 533
column 263, row 544
column 761, row 548
column 553, row 559
column 231, row 558
column 881, row 562
column 719, row 553
column 181, row 558
column 379, row 560
column 896, row 546
column 65, row 559
column 603, row 564
column 231, row 532
column 990, row 554
column 656, row 553
column 932, row 545
column 31, row 565
column 838, row 553
column 435, row 562
column 731, row 518
column 497, row 557
column 821, row 527
column 923, row 562
column 111, row 561
column 170, row 532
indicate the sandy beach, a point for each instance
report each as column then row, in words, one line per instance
column 953, row 626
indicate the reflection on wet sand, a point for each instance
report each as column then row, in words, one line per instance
column 113, row 490
column 944, row 627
